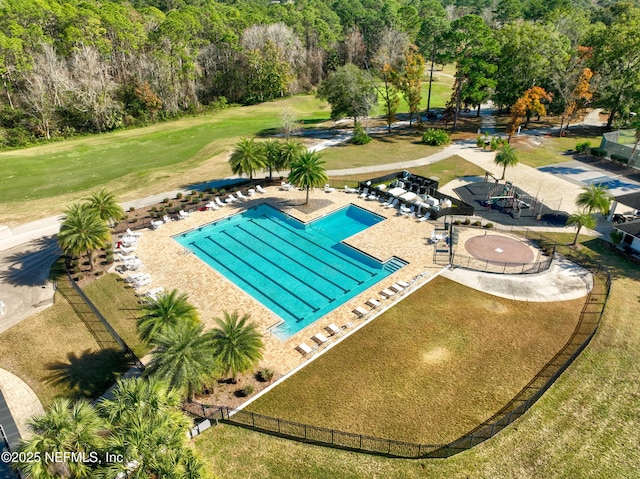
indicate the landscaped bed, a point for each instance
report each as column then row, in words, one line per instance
column 435, row 366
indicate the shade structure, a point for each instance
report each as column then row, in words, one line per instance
column 397, row 191
column 409, row 196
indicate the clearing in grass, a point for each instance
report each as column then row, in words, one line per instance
column 428, row 370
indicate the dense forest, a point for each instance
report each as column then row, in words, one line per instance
column 79, row 66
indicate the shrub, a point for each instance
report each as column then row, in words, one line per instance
column 435, row 137
column 619, row 159
column 599, row 152
column 477, row 223
column 109, row 258
column 166, row 200
column 360, row 136
column 616, row 237
column 483, row 140
column 169, row 204
column 99, row 272
column 456, row 222
column 79, row 277
column 583, row 147
column 489, row 226
column 466, row 221
column 132, row 208
column 179, row 196
column 266, row 374
column 247, row 390
column 497, row 143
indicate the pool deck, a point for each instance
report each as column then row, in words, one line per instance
column 170, row 266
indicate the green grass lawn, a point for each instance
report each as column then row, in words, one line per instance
column 440, row 94
column 433, row 367
column 551, row 150
column 446, row 170
column 585, row 426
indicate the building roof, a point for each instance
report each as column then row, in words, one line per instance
column 630, row 199
column 631, row 228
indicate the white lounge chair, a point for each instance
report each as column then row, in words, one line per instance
column 328, row 188
column 212, row 206
column 183, row 214
column 404, row 284
column 360, row 311
column 155, row 224
column 332, row 329
column 218, row 202
column 142, row 283
column 396, row 287
column 251, row 192
column 133, row 233
column 372, row 197
column 387, row 293
column 241, row 196
column 374, row 303
column 132, row 278
column 125, row 249
column 129, row 240
column 348, row 189
column 319, row 338
column 304, row 348
column 232, row 199
column 128, row 257
column 166, row 218
column 364, row 193
column 260, row 189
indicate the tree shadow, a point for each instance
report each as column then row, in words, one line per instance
column 617, row 262
column 31, row 265
column 90, row 374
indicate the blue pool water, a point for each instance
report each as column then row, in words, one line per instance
column 299, row 271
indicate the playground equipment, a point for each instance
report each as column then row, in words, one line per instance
column 508, row 196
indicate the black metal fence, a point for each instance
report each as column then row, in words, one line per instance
column 588, row 322
column 502, row 267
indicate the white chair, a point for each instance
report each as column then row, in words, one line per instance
column 393, row 204
column 133, row 233
column 372, row 197
column 332, row 329
column 387, row 293
column 404, row 284
column 364, row 193
column 304, row 348
column 155, row 224
column 319, row 338
column 260, row 189
column 166, row 218
column 361, row 312
column 251, row 192
column 212, row 206
column 241, row 196
column 396, row 287
column 348, row 189
column 232, row 199
column 374, row 303
column 328, row 188
column 218, row 202
column 183, row 214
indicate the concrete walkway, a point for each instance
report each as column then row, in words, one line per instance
column 21, row 401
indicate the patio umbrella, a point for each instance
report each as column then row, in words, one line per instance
column 397, row 191
column 409, row 196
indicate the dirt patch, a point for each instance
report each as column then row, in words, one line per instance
column 436, row 355
column 498, row 249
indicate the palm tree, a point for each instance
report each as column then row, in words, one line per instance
column 594, row 198
column 238, row 346
column 148, row 430
column 105, row 204
column 307, row 171
column 581, row 219
column 66, row 427
column 183, row 357
column 247, row 158
column 290, row 150
column 272, row 155
column 170, row 309
column 506, row 156
column 82, row 230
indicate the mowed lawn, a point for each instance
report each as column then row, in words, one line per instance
column 585, row 425
column 428, row 370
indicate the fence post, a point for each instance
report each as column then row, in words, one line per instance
column 253, row 421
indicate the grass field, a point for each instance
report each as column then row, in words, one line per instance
column 585, row 426
column 446, row 170
column 428, row 370
column 551, row 150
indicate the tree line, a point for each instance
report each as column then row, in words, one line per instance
column 73, row 66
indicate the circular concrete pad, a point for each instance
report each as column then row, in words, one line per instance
column 499, row 249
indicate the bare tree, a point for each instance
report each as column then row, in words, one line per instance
column 288, row 122
column 354, row 48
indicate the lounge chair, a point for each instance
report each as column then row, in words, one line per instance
column 129, row 240
column 218, row 202
column 260, row 189
column 404, row 284
column 284, row 186
column 241, row 196
column 319, row 338
column 251, row 192
column 155, row 224
column 142, row 283
column 328, row 188
column 374, row 303
column 348, row 189
column 166, row 218
column 364, row 193
column 372, row 197
column 387, row 293
column 396, row 287
column 393, row 204
column 183, row 214
column 232, row 199
column 132, row 278
column 124, row 249
column 212, row 206
column 332, row 329
column 304, row 348
column 360, row 311
column 128, row 257
column 133, row 233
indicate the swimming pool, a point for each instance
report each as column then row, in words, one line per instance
column 299, row 271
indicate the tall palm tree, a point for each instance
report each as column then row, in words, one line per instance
column 247, row 158
column 238, row 346
column 290, row 150
column 73, row 427
column 594, row 198
column 506, row 156
column 183, row 357
column 148, row 430
column 307, row 171
column 272, row 155
column 580, row 220
column 168, row 310
column 105, row 204
column 82, row 230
